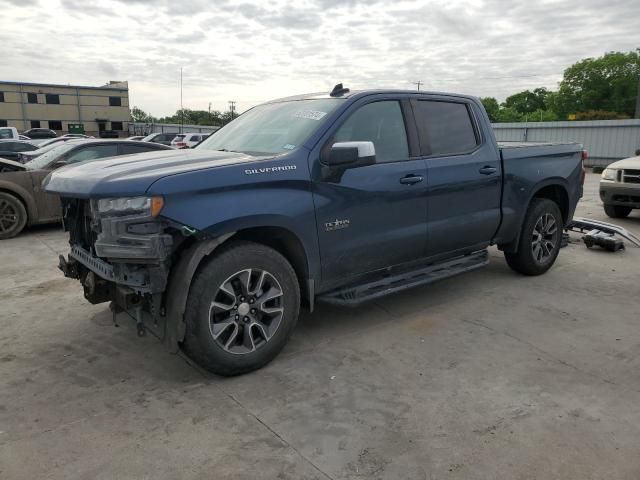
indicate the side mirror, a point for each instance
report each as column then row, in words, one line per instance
column 351, row 154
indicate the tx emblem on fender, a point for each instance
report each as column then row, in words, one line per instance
column 337, row 225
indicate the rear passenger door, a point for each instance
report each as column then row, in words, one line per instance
column 464, row 175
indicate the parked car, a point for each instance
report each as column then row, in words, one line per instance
column 187, row 140
column 11, row 149
column 620, row 187
column 76, row 135
column 22, row 200
column 40, row 133
column 9, row 133
column 340, row 198
column 25, row 157
column 51, row 141
column 162, row 138
column 136, row 138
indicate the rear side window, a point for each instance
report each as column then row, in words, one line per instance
column 93, row 152
column 445, row 128
column 179, row 137
column 381, row 123
column 129, row 149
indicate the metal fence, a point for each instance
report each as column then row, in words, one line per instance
column 148, row 128
column 605, row 140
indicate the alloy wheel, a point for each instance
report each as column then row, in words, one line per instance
column 545, row 238
column 246, row 311
column 8, row 216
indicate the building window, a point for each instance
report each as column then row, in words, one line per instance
column 32, row 97
column 3, row 123
column 116, row 125
column 52, row 98
column 115, row 102
column 35, row 123
column 1, row 96
column 55, row 124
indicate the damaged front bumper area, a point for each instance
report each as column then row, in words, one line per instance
column 123, row 258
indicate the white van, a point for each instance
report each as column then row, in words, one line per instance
column 9, row 133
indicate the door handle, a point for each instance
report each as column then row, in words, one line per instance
column 487, row 170
column 411, row 179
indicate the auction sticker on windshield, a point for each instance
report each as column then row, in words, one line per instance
column 309, row 114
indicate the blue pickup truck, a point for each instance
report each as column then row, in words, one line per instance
column 337, row 197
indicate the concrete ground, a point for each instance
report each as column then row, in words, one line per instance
column 489, row 375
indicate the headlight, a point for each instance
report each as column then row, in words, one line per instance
column 118, row 206
column 610, row 174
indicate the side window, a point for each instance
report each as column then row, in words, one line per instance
column 381, row 123
column 445, row 128
column 92, row 153
column 130, row 149
column 23, row 147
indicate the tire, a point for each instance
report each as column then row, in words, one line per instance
column 226, row 301
column 13, row 216
column 538, row 248
column 617, row 211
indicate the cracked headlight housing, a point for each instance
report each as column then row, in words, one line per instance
column 129, row 205
column 610, row 174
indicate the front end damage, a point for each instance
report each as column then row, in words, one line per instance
column 123, row 255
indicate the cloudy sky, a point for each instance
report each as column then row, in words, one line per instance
column 250, row 50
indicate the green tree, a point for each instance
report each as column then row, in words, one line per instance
column 139, row 115
column 608, row 83
column 492, row 107
column 509, row 114
column 527, row 101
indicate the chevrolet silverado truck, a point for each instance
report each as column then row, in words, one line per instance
column 339, row 197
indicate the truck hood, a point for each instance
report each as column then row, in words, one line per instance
column 129, row 175
column 14, row 166
column 632, row 162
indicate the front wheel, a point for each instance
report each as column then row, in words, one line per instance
column 13, row 216
column 617, row 211
column 539, row 240
column 242, row 308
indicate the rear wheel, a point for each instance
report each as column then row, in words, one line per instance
column 13, row 216
column 539, row 240
column 617, row 211
column 242, row 308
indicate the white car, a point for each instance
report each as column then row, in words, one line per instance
column 188, row 140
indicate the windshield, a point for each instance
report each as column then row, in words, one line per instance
column 49, row 156
column 271, row 127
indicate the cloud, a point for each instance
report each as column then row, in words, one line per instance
column 254, row 50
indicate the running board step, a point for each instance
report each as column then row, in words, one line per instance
column 354, row 295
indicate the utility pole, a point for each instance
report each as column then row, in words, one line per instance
column 181, row 109
column 232, row 107
column 417, row 84
column 210, row 122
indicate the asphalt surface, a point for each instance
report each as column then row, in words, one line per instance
column 489, row 375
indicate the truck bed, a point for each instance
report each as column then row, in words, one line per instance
column 515, row 150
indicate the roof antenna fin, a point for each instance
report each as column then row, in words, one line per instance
column 338, row 91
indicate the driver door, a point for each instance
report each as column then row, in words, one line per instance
column 372, row 217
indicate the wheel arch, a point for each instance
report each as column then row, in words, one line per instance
column 192, row 254
column 554, row 189
column 22, row 195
